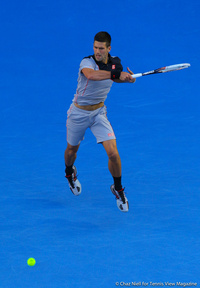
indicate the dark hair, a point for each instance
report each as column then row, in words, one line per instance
column 103, row 37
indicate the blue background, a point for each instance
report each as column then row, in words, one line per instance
column 86, row 241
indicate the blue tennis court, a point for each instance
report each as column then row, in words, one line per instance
column 86, row 241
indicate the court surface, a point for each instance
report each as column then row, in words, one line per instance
column 86, row 241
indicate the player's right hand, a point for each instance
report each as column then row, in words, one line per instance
column 126, row 77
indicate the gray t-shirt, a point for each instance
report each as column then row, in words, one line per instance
column 90, row 92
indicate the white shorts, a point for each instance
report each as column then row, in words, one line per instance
column 78, row 120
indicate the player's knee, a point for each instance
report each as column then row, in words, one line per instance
column 71, row 150
column 113, row 155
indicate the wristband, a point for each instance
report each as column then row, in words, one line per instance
column 115, row 74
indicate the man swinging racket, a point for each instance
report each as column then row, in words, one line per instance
column 96, row 75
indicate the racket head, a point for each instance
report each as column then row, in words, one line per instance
column 174, row 67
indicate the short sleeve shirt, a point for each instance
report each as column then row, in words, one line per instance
column 90, row 92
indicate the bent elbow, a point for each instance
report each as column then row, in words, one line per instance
column 90, row 76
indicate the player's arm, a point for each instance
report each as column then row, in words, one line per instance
column 96, row 75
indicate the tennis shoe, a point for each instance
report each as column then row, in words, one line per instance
column 73, row 182
column 122, row 201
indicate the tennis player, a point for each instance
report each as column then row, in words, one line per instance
column 96, row 76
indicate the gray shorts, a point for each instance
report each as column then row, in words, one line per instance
column 79, row 120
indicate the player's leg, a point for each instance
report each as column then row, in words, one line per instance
column 114, row 161
column 70, row 170
column 70, row 157
column 104, row 134
column 77, row 124
column 71, row 154
column 114, row 165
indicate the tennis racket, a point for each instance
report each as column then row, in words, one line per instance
column 163, row 70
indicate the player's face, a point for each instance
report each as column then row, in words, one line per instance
column 101, row 51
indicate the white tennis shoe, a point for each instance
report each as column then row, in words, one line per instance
column 74, row 183
column 122, row 201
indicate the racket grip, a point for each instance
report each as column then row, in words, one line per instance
column 136, row 75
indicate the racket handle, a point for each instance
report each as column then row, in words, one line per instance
column 136, row 75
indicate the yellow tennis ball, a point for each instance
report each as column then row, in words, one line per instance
column 31, row 262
